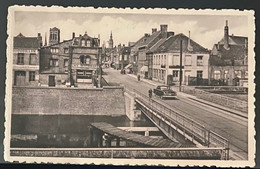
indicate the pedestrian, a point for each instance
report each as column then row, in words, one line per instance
column 138, row 77
column 150, row 93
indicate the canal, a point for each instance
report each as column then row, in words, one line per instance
column 66, row 131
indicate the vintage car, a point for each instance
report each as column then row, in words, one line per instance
column 164, row 91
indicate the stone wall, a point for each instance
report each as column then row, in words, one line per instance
column 68, row 101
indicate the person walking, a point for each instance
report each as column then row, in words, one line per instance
column 150, row 93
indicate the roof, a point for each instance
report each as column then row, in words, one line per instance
column 146, row 140
column 21, row 41
column 234, row 51
column 146, row 40
column 157, row 44
column 173, row 44
column 235, row 40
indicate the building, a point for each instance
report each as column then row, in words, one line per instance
column 229, row 60
column 165, row 61
column 143, row 45
column 70, row 63
column 124, row 56
column 26, row 60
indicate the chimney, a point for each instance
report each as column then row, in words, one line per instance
column 146, row 34
column 39, row 38
column 164, row 28
column 246, row 43
column 226, row 36
column 190, row 48
column 73, row 35
column 154, row 30
column 218, row 46
column 170, row 34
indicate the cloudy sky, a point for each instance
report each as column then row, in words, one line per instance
column 205, row 29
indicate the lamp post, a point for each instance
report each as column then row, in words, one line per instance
column 180, row 65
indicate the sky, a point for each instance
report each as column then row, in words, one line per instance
column 206, row 30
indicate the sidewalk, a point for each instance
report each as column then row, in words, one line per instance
column 193, row 98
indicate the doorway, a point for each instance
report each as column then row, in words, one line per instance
column 51, row 80
column 20, row 78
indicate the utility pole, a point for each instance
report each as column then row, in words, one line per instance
column 180, row 65
column 99, row 67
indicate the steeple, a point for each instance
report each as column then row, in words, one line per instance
column 45, row 43
column 110, row 42
column 226, row 36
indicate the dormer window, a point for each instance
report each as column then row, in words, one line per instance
column 88, row 43
column 83, row 43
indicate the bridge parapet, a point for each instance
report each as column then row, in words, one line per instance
column 192, row 130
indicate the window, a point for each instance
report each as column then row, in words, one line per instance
column 199, row 74
column 83, row 43
column 164, row 60
column 33, row 60
column 54, row 50
column 246, row 74
column 66, row 50
column 88, row 43
column 217, row 74
column 238, row 73
column 31, row 76
column 175, row 73
column 66, row 62
column 125, row 57
column 85, row 60
column 176, row 60
column 20, row 59
column 199, row 60
column 188, row 60
column 54, row 62
column 225, row 74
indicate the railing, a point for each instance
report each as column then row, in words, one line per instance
column 183, row 123
column 218, row 99
column 138, row 153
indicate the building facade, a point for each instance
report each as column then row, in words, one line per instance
column 166, row 61
column 26, row 60
column 70, row 63
column 229, row 61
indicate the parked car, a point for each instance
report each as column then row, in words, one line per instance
column 164, row 91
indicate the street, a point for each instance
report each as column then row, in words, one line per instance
column 235, row 131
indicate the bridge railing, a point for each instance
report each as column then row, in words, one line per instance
column 184, row 123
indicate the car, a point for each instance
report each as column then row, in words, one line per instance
column 164, row 91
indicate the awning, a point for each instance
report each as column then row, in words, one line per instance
column 144, row 69
column 128, row 66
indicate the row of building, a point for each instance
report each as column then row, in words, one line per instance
column 72, row 62
column 155, row 56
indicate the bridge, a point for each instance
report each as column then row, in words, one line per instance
column 175, row 125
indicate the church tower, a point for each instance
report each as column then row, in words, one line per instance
column 54, row 36
column 110, row 42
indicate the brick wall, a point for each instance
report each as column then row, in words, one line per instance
column 69, row 101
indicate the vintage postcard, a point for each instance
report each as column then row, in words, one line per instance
column 130, row 86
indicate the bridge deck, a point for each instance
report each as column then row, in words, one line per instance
column 146, row 140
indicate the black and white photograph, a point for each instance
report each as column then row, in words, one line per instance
column 130, row 86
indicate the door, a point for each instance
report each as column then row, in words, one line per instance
column 51, row 80
column 20, row 78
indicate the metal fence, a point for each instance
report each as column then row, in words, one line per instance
column 185, row 124
column 217, row 98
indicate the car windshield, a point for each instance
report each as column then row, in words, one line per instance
column 164, row 88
